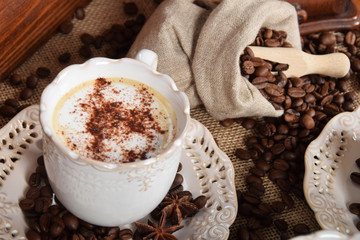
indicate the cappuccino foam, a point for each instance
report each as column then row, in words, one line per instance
column 115, row 120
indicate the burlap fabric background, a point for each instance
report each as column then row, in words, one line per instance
column 100, row 15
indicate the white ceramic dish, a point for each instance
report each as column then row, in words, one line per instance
column 329, row 160
column 328, row 235
column 206, row 170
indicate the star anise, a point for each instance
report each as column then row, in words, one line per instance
column 160, row 232
column 178, row 207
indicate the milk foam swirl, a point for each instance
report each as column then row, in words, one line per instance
column 114, row 120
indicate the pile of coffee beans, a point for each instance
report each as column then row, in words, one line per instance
column 47, row 220
column 354, row 208
column 278, row 146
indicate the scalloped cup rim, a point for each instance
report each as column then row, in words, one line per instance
column 307, row 161
column 119, row 165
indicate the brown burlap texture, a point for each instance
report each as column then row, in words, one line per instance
column 101, row 14
column 200, row 50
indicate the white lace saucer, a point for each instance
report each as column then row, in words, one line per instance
column 329, row 161
column 206, row 170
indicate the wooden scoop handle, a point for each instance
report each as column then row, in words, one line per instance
column 334, row 64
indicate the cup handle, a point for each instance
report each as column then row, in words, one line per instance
column 148, row 57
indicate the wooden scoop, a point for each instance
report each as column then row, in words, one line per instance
column 300, row 63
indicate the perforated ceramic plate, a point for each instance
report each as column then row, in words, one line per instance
column 329, row 160
column 206, row 170
column 328, row 235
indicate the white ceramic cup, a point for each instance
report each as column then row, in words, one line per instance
column 109, row 194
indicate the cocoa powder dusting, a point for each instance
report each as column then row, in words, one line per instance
column 118, row 121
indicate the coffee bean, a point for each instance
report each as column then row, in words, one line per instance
column 33, row 235
column 358, row 162
column 242, row 154
column 267, row 143
column 274, row 90
column 263, row 165
column 85, row 52
column 307, row 121
column 286, row 198
column 276, row 174
column 267, row 130
column 280, row 164
column 26, row 93
column 247, row 67
column 66, row 27
column 64, row 58
column 12, row 103
column 257, row 172
column 291, row 116
column 8, row 111
column 27, row 204
column 301, row 229
column 130, row 8
column 253, row 179
column 281, row 225
column 31, row 82
column 33, row 193
column 339, row 99
column 278, row 148
column 227, row 122
column 284, row 185
column 71, row 222
column 295, row 92
column 43, row 72
column 354, row 208
column 348, row 106
column 87, row 39
column 261, row 71
column 355, row 177
column 44, row 222
column 328, row 38
column 80, row 13
column 257, row 189
column 281, row 67
column 42, row 204
column 125, row 234
column 176, row 190
column 358, row 225
column 278, row 206
column 178, row 180
column 35, row 180
column 251, row 198
column 350, row 38
column 350, row 96
column 200, row 201
column 56, row 227
column 15, row 79
column 272, row 43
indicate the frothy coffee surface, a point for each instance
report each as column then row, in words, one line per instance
column 114, row 120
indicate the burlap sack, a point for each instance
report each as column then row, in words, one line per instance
column 200, row 50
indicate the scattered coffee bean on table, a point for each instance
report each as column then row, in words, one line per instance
column 66, row 27
column 15, row 79
column 43, row 72
column 64, row 58
column 26, row 93
column 80, row 13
